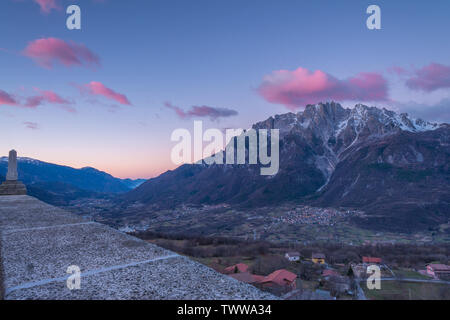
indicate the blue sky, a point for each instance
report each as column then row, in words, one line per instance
column 199, row 53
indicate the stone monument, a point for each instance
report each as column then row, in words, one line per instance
column 12, row 186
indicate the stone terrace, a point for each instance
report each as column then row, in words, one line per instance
column 39, row 242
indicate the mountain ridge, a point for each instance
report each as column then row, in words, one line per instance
column 315, row 147
column 59, row 184
column 51, row 172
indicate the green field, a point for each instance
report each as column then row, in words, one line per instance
column 402, row 290
column 411, row 274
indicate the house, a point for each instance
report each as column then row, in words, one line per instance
column 371, row 260
column 280, row 278
column 439, row 271
column 318, row 258
column 292, row 256
column 237, row 268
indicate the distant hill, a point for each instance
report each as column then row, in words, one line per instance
column 57, row 185
column 394, row 168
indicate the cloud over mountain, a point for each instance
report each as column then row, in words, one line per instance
column 300, row 87
column 430, row 78
column 434, row 112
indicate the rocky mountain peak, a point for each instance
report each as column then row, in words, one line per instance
column 331, row 120
column 331, row 130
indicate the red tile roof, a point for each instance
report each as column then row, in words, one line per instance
column 371, row 260
column 280, row 277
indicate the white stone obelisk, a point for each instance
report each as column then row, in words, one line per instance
column 12, row 166
column 12, row 186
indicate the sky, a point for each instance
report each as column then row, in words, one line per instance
column 110, row 95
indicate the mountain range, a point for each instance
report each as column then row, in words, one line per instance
column 394, row 168
column 58, row 184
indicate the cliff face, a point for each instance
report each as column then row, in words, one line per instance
column 401, row 181
column 41, row 242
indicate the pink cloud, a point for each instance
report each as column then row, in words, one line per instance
column 300, row 87
column 6, row 98
column 180, row 112
column 97, row 88
column 47, row 5
column 32, row 102
column 202, row 111
column 47, row 51
column 429, row 78
column 48, row 97
column 31, row 125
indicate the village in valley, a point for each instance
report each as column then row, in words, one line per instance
column 311, row 215
column 322, row 271
column 288, row 222
column 293, row 251
column 340, row 281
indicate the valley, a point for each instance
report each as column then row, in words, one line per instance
column 393, row 168
column 285, row 223
column 356, row 176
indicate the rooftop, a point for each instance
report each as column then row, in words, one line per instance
column 279, row 276
column 371, row 260
column 318, row 256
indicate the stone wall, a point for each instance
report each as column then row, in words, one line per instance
column 40, row 242
column 1, row 271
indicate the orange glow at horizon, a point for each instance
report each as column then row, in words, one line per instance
column 119, row 167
